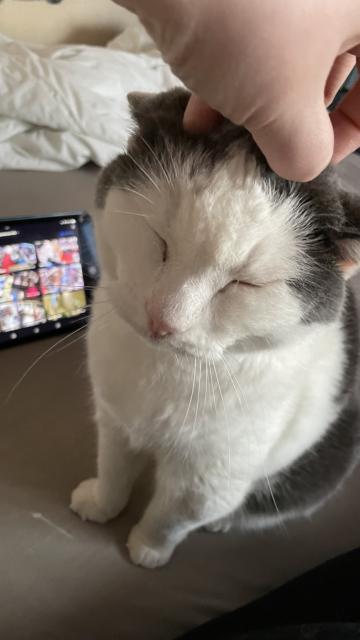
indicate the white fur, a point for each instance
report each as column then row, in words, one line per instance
column 239, row 392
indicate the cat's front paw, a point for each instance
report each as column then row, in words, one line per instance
column 84, row 503
column 141, row 553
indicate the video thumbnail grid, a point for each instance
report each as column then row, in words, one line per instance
column 40, row 281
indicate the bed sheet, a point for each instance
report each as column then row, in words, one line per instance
column 63, row 106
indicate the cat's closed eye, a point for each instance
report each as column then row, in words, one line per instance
column 239, row 283
column 164, row 245
column 165, row 249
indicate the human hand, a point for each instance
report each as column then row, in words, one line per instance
column 271, row 66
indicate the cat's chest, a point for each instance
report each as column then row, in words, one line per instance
column 245, row 404
column 157, row 394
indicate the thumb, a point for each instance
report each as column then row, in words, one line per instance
column 199, row 117
column 298, row 145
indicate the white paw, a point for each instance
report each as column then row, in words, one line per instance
column 83, row 502
column 144, row 555
column 222, row 525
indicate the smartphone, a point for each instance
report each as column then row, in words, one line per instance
column 48, row 269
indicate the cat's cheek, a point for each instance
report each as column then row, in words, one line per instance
column 274, row 312
column 124, row 296
column 244, row 312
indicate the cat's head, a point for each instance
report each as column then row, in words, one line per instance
column 204, row 248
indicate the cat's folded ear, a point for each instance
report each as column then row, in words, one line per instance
column 348, row 239
column 140, row 103
column 163, row 108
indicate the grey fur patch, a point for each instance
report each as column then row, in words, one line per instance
column 159, row 133
column 312, row 479
column 322, row 287
column 352, row 349
column 315, row 476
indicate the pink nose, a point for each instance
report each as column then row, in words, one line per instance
column 159, row 328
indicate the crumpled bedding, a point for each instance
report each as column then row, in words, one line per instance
column 63, row 106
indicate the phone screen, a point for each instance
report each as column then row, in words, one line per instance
column 42, row 275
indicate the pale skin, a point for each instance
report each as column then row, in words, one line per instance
column 270, row 66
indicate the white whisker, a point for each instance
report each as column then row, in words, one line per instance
column 259, row 449
column 213, row 392
column 80, row 367
column 81, row 318
column 38, row 360
column 132, row 213
column 196, row 413
column 90, row 316
column 136, row 193
column 206, row 388
column 157, row 160
column 250, row 379
column 84, row 336
column 186, row 414
column 227, row 422
column 171, row 156
column 227, row 367
column 72, row 342
column 144, row 172
column 49, row 350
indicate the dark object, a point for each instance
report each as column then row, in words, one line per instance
column 323, row 604
column 348, row 84
column 48, row 267
column 307, row 632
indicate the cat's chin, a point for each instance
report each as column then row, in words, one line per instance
column 175, row 346
column 184, row 349
column 166, row 344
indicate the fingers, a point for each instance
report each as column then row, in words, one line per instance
column 199, row 116
column 127, row 4
column 338, row 74
column 346, row 123
column 157, row 11
column 297, row 149
column 299, row 145
column 209, row 49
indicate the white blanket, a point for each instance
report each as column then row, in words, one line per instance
column 63, row 106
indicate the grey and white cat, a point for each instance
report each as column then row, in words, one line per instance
column 223, row 340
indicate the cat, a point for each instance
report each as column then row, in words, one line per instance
column 223, row 341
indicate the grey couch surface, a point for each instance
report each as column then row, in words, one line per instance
column 63, row 578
